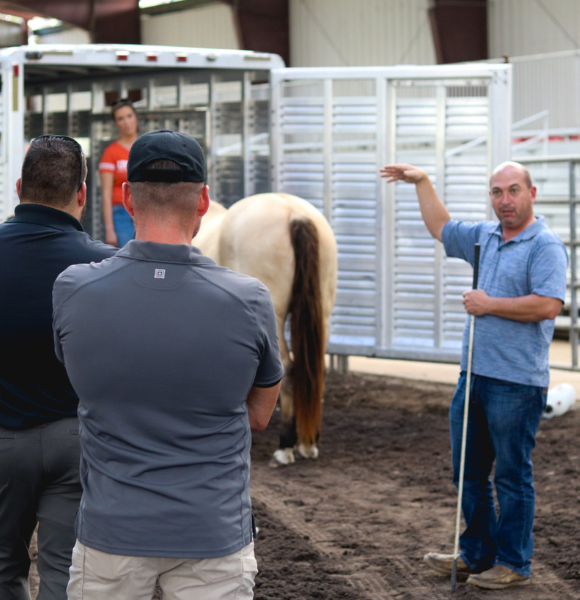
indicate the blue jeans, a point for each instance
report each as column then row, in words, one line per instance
column 123, row 225
column 502, row 425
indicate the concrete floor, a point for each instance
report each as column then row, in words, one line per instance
column 560, row 354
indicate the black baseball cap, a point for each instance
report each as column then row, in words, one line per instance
column 169, row 145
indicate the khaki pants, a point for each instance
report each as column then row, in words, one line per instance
column 96, row 575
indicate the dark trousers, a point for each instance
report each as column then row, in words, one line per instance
column 39, row 483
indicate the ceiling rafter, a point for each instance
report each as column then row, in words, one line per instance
column 262, row 25
column 107, row 21
column 459, row 29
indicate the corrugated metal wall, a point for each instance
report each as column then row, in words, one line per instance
column 361, row 33
column 74, row 35
column 551, row 82
column 546, row 93
column 210, row 26
column 10, row 34
column 344, row 33
column 521, row 27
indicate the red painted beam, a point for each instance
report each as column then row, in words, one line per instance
column 11, row 9
column 116, row 22
column 459, row 29
column 263, row 26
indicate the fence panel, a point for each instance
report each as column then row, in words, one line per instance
column 397, row 295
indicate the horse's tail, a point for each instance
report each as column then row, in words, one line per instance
column 307, row 331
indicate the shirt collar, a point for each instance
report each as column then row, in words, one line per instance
column 527, row 234
column 47, row 216
column 168, row 253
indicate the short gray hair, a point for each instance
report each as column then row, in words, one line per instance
column 172, row 197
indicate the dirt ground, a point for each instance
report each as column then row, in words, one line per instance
column 356, row 523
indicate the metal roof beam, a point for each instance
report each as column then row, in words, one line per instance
column 263, row 26
column 108, row 21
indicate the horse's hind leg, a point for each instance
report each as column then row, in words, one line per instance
column 288, row 437
column 288, row 434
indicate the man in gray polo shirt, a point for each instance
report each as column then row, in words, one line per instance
column 174, row 360
column 522, row 284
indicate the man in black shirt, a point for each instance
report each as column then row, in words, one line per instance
column 39, row 450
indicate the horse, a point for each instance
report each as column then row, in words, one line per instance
column 288, row 245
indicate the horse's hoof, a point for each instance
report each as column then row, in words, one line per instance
column 281, row 458
column 308, row 451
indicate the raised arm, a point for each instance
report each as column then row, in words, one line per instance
column 433, row 211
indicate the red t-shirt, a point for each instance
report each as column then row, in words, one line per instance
column 114, row 160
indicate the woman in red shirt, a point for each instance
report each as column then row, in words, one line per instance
column 113, row 172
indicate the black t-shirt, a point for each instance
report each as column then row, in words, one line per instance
column 35, row 247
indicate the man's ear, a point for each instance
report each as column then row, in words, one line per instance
column 18, row 186
column 128, row 199
column 203, row 202
column 82, row 195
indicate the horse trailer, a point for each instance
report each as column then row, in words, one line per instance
column 319, row 133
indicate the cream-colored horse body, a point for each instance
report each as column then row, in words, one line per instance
column 261, row 236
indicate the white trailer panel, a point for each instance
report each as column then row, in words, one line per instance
column 321, row 134
column 398, row 295
column 215, row 95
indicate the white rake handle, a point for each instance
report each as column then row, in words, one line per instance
column 465, row 418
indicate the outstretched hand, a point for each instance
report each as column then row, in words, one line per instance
column 403, row 172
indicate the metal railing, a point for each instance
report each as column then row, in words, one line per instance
column 572, row 200
column 541, row 136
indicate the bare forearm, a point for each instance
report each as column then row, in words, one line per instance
column 433, row 211
column 108, row 210
column 261, row 403
column 107, row 192
column 526, row 309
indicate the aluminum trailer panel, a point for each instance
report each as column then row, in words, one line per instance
column 321, row 134
column 216, row 95
column 398, row 295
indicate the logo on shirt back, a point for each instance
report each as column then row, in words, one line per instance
column 159, row 274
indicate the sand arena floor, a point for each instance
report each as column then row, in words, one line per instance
column 356, row 523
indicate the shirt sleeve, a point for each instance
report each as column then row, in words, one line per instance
column 270, row 370
column 548, row 271
column 108, row 160
column 460, row 237
column 62, row 289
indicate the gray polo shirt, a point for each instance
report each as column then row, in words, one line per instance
column 534, row 262
column 162, row 347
